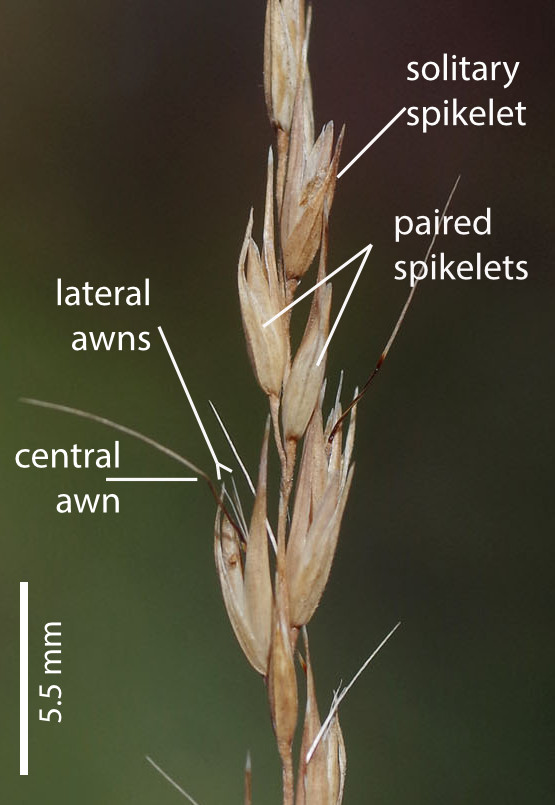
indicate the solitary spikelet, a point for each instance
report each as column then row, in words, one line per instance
column 310, row 183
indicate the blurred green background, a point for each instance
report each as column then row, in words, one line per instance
column 133, row 139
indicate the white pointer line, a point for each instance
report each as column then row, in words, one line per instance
column 371, row 143
column 326, row 278
column 153, row 479
column 23, row 678
column 344, row 305
column 195, row 412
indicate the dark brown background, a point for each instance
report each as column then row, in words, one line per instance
column 132, row 143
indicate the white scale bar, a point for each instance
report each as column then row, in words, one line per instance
column 24, row 678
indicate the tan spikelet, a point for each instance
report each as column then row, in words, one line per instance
column 285, row 39
column 281, row 62
column 308, row 578
column 261, row 299
column 309, row 185
column 282, row 680
column 257, row 578
column 304, row 382
column 321, row 780
column 311, row 483
column 230, row 572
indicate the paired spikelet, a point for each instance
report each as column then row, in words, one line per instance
column 261, row 297
column 323, row 486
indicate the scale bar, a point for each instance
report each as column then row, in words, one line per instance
column 23, row 678
column 165, row 480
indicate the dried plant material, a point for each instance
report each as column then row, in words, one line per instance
column 284, row 42
column 282, row 680
column 248, row 780
column 305, row 379
column 267, row 618
column 323, row 485
column 261, row 298
column 304, row 382
column 310, row 183
column 227, row 553
column 311, row 482
column 321, row 780
column 282, row 687
column 336, row 762
column 308, row 577
column 259, row 598
column 247, row 591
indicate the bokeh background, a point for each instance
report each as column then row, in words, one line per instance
column 133, row 139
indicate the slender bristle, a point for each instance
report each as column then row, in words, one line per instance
column 248, row 780
column 172, row 782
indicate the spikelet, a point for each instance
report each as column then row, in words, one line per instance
column 321, row 780
column 309, row 560
column 261, row 297
column 302, row 389
column 323, row 486
column 285, row 40
column 309, row 185
column 247, row 587
column 311, row 481
column 282, row 680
